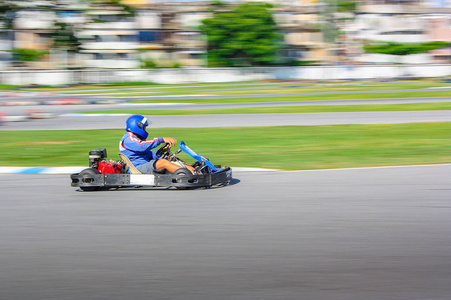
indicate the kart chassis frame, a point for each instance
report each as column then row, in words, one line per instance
column 91, row 180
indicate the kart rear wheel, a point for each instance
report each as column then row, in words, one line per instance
column 85, row 175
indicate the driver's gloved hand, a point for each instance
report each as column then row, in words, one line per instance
column 170, row 141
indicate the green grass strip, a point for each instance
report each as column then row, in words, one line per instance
column 285, row 147
column 242, row 89
column 286, row 109
column 264, row 87
column 301, row 89
column 8, row 86
column 257, row 98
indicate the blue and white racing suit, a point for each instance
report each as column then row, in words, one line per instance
column 139, row 151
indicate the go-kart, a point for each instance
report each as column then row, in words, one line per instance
column 105, row 174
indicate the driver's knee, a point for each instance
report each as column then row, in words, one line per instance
column 161, row 163
column 164, row 164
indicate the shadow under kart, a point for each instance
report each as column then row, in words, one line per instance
column 105, row 174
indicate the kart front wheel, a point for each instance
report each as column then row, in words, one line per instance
column 182, row 172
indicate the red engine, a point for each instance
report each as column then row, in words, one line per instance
column 109, row 167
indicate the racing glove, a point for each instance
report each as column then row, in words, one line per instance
column 170, row 141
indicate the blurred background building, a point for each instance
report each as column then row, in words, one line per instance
column 165, row 33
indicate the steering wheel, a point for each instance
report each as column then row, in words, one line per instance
column 164, row 150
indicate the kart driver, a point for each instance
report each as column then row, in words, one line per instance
column 139, row 151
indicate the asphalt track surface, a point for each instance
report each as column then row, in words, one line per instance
column 65, row 120
column 381, row 233
column 65, row 109
column 200, row 121
column 130, row 95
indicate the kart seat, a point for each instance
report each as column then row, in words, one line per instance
column 129, row 164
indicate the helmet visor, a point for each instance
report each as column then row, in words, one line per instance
column 145, row 123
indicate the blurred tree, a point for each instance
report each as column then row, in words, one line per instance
column 26, row 55
column 332, row 19
column 127, row 8
column 244, row 36
column 346, row 6
column 329, row 21
column 8, row 14
column 402, row 49
column 64, row 37
column 148, row 63
column 394, row 48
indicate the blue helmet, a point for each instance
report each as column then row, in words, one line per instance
column 137, row 124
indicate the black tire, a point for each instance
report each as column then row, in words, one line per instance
column 85, row 174
column 182, row 172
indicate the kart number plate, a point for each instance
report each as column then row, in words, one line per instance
column 142, row 179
